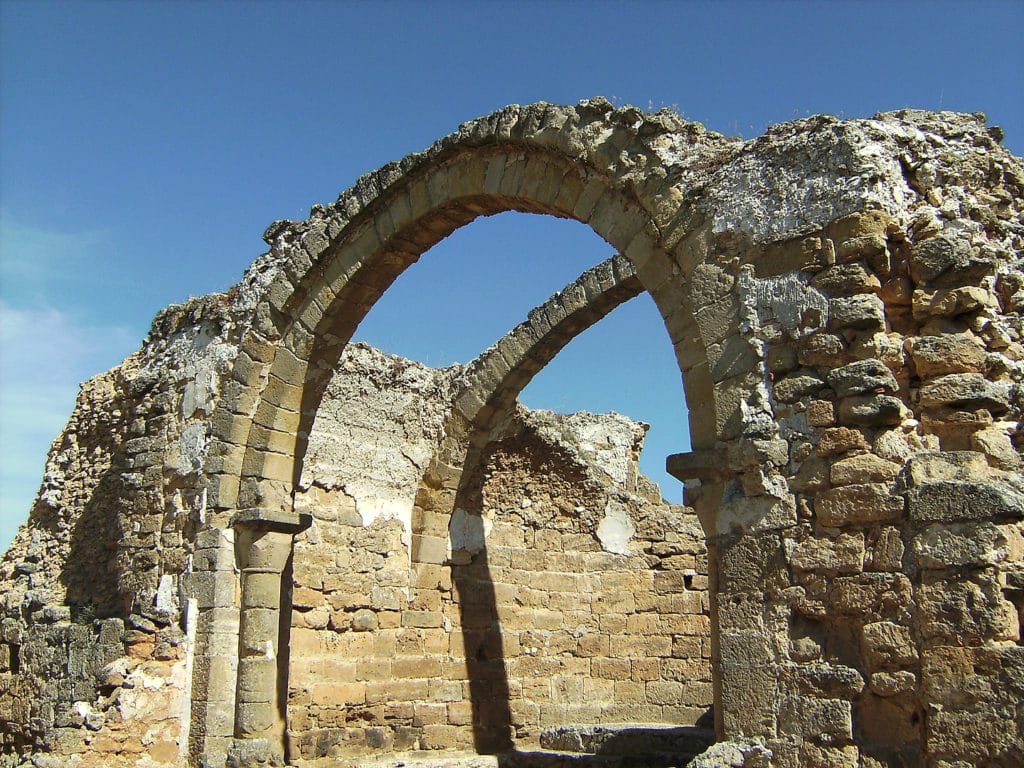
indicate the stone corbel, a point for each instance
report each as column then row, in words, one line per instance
column 263, row 543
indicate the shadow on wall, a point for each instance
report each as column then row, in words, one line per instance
column 490, row 695
column 90, row 574
column 501, row 707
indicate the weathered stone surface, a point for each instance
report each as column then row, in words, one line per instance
column 946, row 257
column 862, row 376
column 957, row 500
column 827, row 680
column 797, row 385
column 870, row 410
column 858, row 504
column 892, row 683
column 966, row 611
column 965, row 390
column 844, row 554
column 887, row 645
column 955, row 546
column 816, row 718
column 846, row 280
column 840, row 440
column 948, row 353
column 863, row 468
column 930, row 467
column 859, row 312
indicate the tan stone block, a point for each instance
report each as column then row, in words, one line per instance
column 835, row 440
column 858, row 504
column 663, row 692
column 843, row 554
column 686, row 647
column 305, row 597
column 592, row 644
column 429, row 714
column 422, row 619
column 335, row 694
column 885, row 644
column 460, row 713
column 611, row 669
column 863, row 468
column 643, row 670
column 373, row 669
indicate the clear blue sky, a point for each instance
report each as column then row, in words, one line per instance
column 144, row 147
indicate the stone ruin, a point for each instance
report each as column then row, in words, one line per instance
column 258, row 543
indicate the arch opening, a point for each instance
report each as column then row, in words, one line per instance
column 332, row 270
column 489, row 578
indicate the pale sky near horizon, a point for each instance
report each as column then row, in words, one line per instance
column 144, row 147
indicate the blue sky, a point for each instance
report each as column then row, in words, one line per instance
column 144, row 147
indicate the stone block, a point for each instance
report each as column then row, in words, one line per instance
column 830, row 757
column 966, row 391
column 887, row 645
column 858, row 504
column 814, row 718
column 749, row 700
column 947, row 353
column 965, row 611
column 927, row 468
column 954, row 546
column 863, row 468
column 843, row 554
column 974, row 735
column 860, row 312
column 869, row 375
column 801, row 383
column 836, row 440
column 956, row 501
column 254, row 719
column 826, row 680
column 888, row 684
column 870, row 410
column 948, row 260
column 820, row 413
column 877, row 595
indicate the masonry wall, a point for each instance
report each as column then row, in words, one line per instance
column 548, row 585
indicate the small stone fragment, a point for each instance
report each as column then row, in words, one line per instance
column 892, row 683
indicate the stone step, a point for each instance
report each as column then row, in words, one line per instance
column 529, row 758
column 628, row 739
column 545, row 758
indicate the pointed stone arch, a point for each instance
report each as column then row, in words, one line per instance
column 624, row 173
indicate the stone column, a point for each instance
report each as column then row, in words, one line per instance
column 263, row 544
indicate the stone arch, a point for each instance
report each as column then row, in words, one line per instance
column 591, row 163
column 601, row 166
column 450, row 486
column 503, row 371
